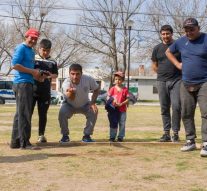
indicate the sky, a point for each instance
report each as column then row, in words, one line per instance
column 68, row 16
column 61, row 15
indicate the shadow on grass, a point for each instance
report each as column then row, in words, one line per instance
column 31, row 157
column 57, row 144
column 143, row 140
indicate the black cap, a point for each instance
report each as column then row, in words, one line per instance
column 190, row 22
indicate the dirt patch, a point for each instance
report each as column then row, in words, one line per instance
column 102, row 168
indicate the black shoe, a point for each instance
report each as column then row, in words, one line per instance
column 112, row 140
column 15, row 144
column 165, row 138
column 28, row 146
column 175, row 138
column 189, row 146
column 87, row 139
column 120, row 139
column 65, row 139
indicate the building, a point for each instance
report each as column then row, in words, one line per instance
column 146, row 87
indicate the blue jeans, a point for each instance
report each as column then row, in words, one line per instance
column 188, row 103
column 169, row 96
column 122, row 121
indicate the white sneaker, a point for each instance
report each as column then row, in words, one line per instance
column 203, row 152
column 189, row 146
column 42, row 139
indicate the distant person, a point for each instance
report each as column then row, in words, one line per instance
column 193, row 48
column 42, row 89
column 168, row 85
column 117, row 106
column 23, row 64
column 76, row 89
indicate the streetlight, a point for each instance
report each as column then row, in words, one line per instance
column 129, row 24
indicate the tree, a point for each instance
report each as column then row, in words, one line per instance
column 36, row 14
column 173, row 13
column 104, row 30
column 24, row 14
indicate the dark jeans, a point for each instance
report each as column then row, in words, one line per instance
column 189, row 101
column 169, row 96
column 42, row 106
column 21, row 131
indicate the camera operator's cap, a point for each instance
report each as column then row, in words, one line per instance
column 32, row 32
column 190, row 22
column 119, row 73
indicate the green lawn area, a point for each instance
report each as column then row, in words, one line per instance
column 143, row 124
column 138, row 164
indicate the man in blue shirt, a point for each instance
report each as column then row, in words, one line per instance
column 193, row 49
column 23, row 64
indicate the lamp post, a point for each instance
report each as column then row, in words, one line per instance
column 129, row 24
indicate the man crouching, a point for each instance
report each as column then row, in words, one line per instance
column 76, row 89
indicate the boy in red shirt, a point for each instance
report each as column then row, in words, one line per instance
column 116, row 107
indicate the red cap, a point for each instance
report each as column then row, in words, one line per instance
column 32, row 32
column 119, row 73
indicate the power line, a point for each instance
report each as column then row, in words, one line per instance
column 109, row 11
column 73, row 24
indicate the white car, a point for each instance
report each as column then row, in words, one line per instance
column 56, row 97
column 6, row 92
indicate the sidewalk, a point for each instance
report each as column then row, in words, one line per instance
column 147, row 103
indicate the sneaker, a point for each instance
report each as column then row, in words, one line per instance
column 120, row 139
column 42, row 139
column 112, row 140
column 87, row 139
column 175, row 138
column 65, row 139
column 203, row 152
column 189, row 146
column 165, row 138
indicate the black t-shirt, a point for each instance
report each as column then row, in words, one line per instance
column 166, row 70
column 43, row 88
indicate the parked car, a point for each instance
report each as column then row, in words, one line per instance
column 6, row 92
column 56, row 97
column 101, row 99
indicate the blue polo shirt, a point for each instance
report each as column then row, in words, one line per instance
column 23, row 55
column 194, row 58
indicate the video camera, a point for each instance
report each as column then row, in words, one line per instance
column 44, row 72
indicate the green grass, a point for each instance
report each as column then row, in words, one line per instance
column 143, row 124
column 141, row 167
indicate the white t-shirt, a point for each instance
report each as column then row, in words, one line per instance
column 86, row 84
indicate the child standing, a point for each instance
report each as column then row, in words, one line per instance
column 42, row 88
column 116, row 106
